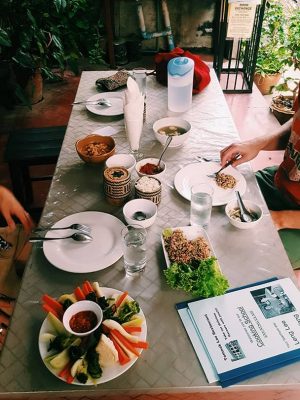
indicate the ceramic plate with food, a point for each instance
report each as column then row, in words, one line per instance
column 117, row 351
column 192, row 263
column 195, row 173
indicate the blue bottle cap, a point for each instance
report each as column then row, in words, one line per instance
column 180, row 66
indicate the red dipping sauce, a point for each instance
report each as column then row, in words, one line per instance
column 150, row 169
column 83, row 321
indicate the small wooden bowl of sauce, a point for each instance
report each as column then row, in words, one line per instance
column 82, row 318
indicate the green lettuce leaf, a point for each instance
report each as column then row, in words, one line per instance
column 204, row 280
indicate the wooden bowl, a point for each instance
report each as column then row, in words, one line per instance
column 94, row 149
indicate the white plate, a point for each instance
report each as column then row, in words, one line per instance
column 116, row 100
column 191, row 233
column 108, row 373
column 197, row 172
column 72, row 256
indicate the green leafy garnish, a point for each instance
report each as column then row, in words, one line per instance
column 204, row 280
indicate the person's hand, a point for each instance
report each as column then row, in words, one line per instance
column 10, row 207
column 247, row 151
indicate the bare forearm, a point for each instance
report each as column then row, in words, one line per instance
column 286, row 219
column 278, row 140
column 249, row 149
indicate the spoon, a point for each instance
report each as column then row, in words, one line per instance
column 168, row 141
column 139, row 216
column 78, row 237
column 245, row 215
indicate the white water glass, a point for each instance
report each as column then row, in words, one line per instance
column 201, row 204
column 134, row 247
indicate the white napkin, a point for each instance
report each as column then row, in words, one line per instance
column 133, row 113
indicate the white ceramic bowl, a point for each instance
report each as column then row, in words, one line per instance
column 79, row 306
column 150, row 160
column 146, row 206
column 121, row 160
column 252, row 207
column 172, row 121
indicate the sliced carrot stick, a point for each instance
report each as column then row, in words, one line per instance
column 132, row 329
column 53, row 303
column 121, row 298
column 125, row 342
column 85, row 289
column 89, row 286
column 123, row 357
column 65, row 373
column 69, row 378
column 79, row 294
column 141, row 345
column 49, row 309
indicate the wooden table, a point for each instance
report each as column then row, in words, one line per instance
column 169, row 368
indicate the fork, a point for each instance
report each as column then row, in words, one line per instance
column 224, row 166
column 100, row 102
column 77, row 227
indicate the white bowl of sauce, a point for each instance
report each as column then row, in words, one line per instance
column 176, row 127
column 82, row 318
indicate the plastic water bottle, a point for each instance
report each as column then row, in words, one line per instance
column 180, row 84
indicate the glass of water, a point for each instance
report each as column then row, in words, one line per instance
column 134, row 247
column 201, row 204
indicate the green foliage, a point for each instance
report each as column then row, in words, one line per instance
column 293, row 38
column 47, row 34
column 273, row 54
column 280, row 37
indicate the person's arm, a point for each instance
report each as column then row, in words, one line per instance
column 10, row 207
column 249, row 149
column 286, row 219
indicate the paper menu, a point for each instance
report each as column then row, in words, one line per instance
column 245, row 332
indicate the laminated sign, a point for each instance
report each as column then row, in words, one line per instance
column 241, row 19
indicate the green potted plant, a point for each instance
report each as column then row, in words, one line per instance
column 293, row 37
column 31, row 42
column 286, row 90
column 273, row 54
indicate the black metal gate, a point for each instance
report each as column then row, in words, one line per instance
column 235, row 59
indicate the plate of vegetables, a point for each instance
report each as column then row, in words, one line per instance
column 104, row 354
column 192, row 263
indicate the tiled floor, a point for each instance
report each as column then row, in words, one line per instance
column 250, row 113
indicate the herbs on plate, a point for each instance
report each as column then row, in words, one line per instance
column 193, row 268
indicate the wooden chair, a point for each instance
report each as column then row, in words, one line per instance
column 31, row 147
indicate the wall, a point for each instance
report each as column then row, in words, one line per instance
column 189, row 18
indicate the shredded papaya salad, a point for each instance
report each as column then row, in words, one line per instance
column 118, row 342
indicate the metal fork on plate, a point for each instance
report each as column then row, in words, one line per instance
column 225, row 166
column 77, row 227
column 99, row 102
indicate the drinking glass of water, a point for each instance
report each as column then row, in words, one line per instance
column 201, row 204
column 134, row 247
